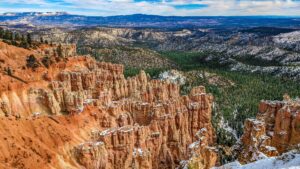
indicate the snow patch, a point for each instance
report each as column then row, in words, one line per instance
column 173, row 76
column 290, row 160
column 194, row 145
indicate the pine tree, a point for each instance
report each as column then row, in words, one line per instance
column 59, row 51
column 23, row 38
column 24, row 43
column 29, row 41
column 7, row 35
column 1, row 32
column 17, row 37
column 32, row 62
column 9, row 71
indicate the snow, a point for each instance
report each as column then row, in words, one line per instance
column 183, row 33
column 183, row 165
column 271, row 133
column 282, row 133
column 265, row 137
column 173, row 76
column 256, row 122
column 138, row 152
column 156, row 133
column 125, row 129
column 258, row 156
column 95, row 130
column 270, row 148
column 203, row 130
column 36, row 114
column 292, row 37
column 33, row 13
column 88, row 145
column 194, row 145
column 200, row 133
column 224, row 125
column 193, row 105
column 98, row 143
column 107, row 131
column 144, row 103
column 88, row 101
column 289, row 160
column 80, row 109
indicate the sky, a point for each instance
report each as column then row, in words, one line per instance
column 157, row 7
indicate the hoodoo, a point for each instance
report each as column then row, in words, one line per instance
column 274, row 131
column 80, row 113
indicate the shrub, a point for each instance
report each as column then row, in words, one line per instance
column 31, row 62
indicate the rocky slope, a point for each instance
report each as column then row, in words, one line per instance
column 117, row 45
column 132, row 57
column 266, row 50
column 80, row 113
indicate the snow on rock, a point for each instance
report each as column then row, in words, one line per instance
column 108, row 131
column 184, row 164
column 194, row 145
column 270, row 148
column 289, row 160
column 258, row 156
column 35, row 114
column 292, row 37
column 173, row 76
column 139, row 152
column 224, row 125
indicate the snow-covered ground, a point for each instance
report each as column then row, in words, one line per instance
column 290, row 160
column 173, row 76
column 224, row 125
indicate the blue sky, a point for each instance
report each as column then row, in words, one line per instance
column 157, row 7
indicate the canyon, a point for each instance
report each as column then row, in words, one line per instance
column 76, row 112
column 262, row 50
column 80, row 113
column 262, row 45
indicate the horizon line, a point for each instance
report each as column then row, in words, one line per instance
column 70, row 13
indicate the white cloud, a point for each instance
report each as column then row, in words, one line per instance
column 165, row 7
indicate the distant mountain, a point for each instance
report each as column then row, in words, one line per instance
column 24, row 14
column 141, row 20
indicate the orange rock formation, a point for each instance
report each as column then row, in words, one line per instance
column 275, row 130
column 79, row 113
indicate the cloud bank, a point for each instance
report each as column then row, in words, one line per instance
column 157, row 7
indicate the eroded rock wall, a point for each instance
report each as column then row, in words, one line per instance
column 85, row 114
column 275, row 130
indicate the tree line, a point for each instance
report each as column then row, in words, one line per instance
column 18, row 39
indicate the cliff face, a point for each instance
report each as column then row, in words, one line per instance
column 79, row 113
column 275, row 130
